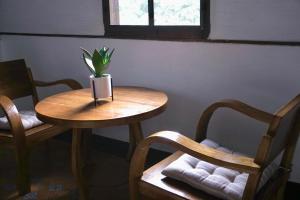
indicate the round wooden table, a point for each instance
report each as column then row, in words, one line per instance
column 76, row 109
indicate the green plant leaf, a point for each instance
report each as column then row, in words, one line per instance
column 98, row 63
column 86, row 52
column 111, row 53
column 89, row 63
column 105, row 59
column 103, row 51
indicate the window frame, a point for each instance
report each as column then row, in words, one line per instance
column 190, row 33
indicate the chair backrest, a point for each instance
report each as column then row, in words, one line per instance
column 15, row 79
column 282, row 129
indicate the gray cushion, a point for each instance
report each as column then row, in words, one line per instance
column 218, row 181
column 28, row 118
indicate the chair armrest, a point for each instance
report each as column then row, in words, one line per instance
column 186, row 145
column 200, row 151
column 13, row 117
column 69, row 82
column 234, row 105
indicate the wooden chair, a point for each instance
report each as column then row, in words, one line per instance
column 281, row 136
column 16, row 81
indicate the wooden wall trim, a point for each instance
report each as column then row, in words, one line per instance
column 224, row 41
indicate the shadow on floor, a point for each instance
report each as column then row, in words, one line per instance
column 51, row 175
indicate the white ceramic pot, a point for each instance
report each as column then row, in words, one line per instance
column 101, row 86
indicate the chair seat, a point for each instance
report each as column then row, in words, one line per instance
column 155, row 185
column 28, row 118
column 35, row 134
column 199, row 180
column 213, row 179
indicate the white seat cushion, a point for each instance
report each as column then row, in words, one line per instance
column 28, row 118
column 215, row 180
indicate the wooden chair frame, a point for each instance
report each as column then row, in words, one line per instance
column 18, row 138
column 143, row 186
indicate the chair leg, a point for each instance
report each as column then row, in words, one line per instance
column 251, row 186
column 281, row 190
column 23, row 178
column 280, row 193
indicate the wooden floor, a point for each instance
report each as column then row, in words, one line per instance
column 106, row 171
column 107, row 174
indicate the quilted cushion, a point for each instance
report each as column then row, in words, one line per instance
column 218, row 181
column 28, row 118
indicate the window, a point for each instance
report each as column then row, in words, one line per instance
column 157, row 19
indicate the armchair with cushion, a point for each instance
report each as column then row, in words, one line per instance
column 202, row 169
column 20, row 130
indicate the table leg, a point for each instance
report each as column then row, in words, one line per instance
column 86, row 146
column 135, row 137
column 77, row 162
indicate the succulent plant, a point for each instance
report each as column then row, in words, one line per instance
column 99, row 61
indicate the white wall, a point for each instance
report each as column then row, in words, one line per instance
column 193, row 74
column 256, row 19
column 54, row 17
column 230, row 19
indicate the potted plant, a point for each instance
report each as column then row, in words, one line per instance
column 98, row 63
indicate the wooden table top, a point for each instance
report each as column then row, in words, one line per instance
column 76, row 108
